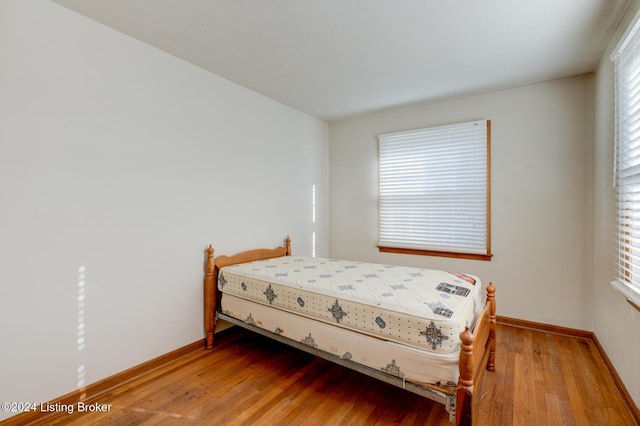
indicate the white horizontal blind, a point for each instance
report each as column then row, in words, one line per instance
column 627, row 167
column 433, row 187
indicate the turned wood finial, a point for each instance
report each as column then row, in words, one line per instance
column 288, row 245
column 491, row 289
column 491, row 301
column 467, row 341
column 210, row 266
column 466, row 358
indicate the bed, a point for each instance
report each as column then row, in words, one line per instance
column 424, row 330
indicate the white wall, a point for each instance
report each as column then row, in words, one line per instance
column 118, row 165
column 616, row 323
column 541, row 192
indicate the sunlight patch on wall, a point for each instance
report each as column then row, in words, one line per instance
column 313, row 204
column 81, row 321
column 313, row 220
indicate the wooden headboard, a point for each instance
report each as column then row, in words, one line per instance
column 212, row 267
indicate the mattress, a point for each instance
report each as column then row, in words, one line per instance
column 402, row 361
column 422, row 308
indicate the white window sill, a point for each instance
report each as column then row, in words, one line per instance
column 632, row 295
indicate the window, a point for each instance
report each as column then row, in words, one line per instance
column 434, row 191
column 627, row 164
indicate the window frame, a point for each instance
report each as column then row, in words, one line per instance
column 452, row 252
column 627, row 164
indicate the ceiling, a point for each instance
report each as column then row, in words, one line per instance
column 339, row 58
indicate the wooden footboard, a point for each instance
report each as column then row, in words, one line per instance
column 478, row 346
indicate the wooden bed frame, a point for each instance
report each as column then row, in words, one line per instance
column 478, row 347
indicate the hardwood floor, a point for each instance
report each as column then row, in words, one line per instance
column 541, row 378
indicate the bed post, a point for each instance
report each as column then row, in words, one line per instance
column 491, row 301
column 464, row 392
column 209, row 298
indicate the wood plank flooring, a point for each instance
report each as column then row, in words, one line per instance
column 541, row 379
